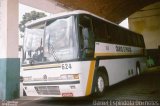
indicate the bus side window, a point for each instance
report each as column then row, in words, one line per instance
column 129, row 39
column 142, row 41
column 139, row 41
column 135, row 40
column 112, row 33
column 86, row 37
column 85, row 34
column 99, row 29
column 81, row 37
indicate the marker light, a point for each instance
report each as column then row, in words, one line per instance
column 69, row 76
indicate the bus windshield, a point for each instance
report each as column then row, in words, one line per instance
column 52, row 41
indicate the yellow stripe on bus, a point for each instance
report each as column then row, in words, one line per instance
column 115, row 54
column 90, row 78
column 41, row 66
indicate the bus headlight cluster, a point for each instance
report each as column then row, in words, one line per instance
column 69, row 76
column 27, row 78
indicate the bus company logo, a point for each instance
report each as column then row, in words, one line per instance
column 123, row 49
column 44, row 77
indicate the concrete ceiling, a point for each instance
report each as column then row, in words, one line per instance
column 113, row 10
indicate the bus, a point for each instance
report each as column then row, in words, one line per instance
column 77, row 53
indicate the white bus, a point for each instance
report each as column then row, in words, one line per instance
column 77, row 54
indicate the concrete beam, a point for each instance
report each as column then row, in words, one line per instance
column 113, row 10
column 45, row 5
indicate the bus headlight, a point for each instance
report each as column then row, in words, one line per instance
column 27, row 78
column 69, row 76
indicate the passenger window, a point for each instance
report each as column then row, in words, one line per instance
column 112, row 32
column 99, row 30
column 86, row 37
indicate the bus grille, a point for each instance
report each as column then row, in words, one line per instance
column 48, row 90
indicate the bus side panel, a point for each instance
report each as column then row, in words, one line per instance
column 122, row 68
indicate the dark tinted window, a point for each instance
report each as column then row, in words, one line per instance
column 131, row 39
column 99, row 29
column 142, row 42
column 135, row 40
column 121, row 36
column 113, row 33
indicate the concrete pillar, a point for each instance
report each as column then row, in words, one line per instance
column 147, row 22
column 9, row 61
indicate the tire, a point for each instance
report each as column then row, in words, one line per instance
column 24, row 93
column 101, row 83
column 138, row 69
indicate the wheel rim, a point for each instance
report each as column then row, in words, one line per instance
column 100, row 84
column 138, row 70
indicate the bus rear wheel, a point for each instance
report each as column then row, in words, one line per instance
column 138, row 70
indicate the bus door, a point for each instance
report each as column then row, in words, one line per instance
column 86, row 37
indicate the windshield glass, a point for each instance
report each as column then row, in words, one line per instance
column 60, row 40
column 33, row 44
column 51, row 41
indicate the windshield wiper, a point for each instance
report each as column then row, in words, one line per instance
column 31, row 61
column 53, row 53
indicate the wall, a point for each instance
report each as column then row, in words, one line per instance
column 147, row 22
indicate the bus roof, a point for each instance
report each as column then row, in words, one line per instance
column 66, row 14
column 58, row 15
column 75, row 12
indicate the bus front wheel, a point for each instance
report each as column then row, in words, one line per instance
column 101, row 83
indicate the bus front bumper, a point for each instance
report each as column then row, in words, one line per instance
column 71, row 88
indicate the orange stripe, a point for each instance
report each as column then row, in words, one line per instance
column 90, row 77
column 115, row 54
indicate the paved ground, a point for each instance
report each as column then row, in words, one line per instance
column 143, row 89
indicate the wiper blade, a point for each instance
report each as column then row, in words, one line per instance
column 53, row 53
column 31, row 61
